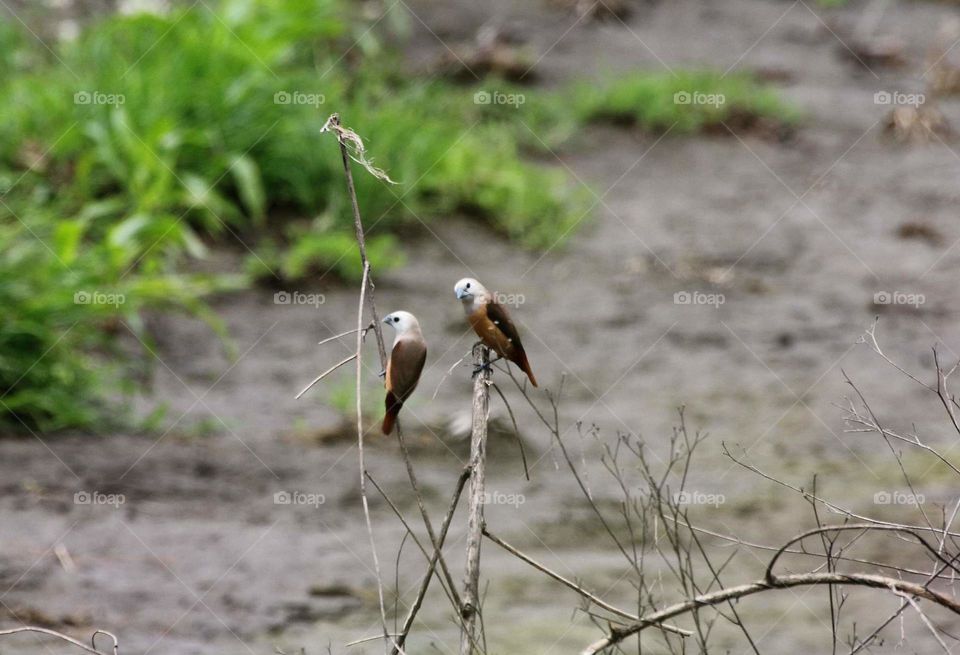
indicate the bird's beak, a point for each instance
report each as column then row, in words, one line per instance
column 461, row 294
column 386, row 320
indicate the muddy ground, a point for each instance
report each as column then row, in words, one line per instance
column 798, row 235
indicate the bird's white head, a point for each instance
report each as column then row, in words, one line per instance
column 468, row 289
column 401, row 321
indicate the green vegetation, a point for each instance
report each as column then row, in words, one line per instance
column 68, row 303
column 126, row 153
column 216, row 118
column 687, row 102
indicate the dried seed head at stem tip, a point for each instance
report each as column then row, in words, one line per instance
column 354, row 144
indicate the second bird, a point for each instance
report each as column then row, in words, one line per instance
column 405, row 364
column 492, row 323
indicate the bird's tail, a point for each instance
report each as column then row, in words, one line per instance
column 525, row 366
column 393, row 405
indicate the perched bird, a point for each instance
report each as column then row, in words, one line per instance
column 492, row 323
column 407, row 356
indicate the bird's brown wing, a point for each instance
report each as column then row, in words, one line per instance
column 513, row 349
column 404, row 368
column 498, row 315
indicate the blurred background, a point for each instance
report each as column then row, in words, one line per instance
column 693, row 204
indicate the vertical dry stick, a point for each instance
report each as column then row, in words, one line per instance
column 333, row 124
column 367, row 284
column 478, row 457
column 363, row 468
column 347, row 138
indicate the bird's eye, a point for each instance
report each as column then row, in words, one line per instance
column 468, row 286
column 396, row 319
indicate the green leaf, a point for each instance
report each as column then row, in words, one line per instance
column 67, row 236
column 246, row 175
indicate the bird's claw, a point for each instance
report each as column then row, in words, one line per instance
column 382, row 373
column 485, row 367
column 481, row 367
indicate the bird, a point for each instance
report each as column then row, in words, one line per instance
column 492, row 323
column 406, row 361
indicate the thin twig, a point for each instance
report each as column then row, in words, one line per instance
column 363, row 468
column 330, row 370
column 832, row 506
column 431, row 568
column 344, row 334
column 113, row 637
column 447, row 374
column 779, row 582
column 366, row 639
column 410, row 533
column 516, row 430
column 923, row 617
column 909, row 531
column 427, row 523
column 570, row 584
column 791, row 551
column 63, row 637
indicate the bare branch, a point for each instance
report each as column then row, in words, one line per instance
column 330, row 370
column 447, row 374
column 570, row 584
column 923, row 617
column 516, row 430
column 363, row 468
column 344, row 334
column 425, row 584
column 856, row 526
column 832, row 506
column 69, row 640
column 617, row 635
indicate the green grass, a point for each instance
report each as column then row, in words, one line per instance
column 198, row 133
column 690, row 101
column 70, row 315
